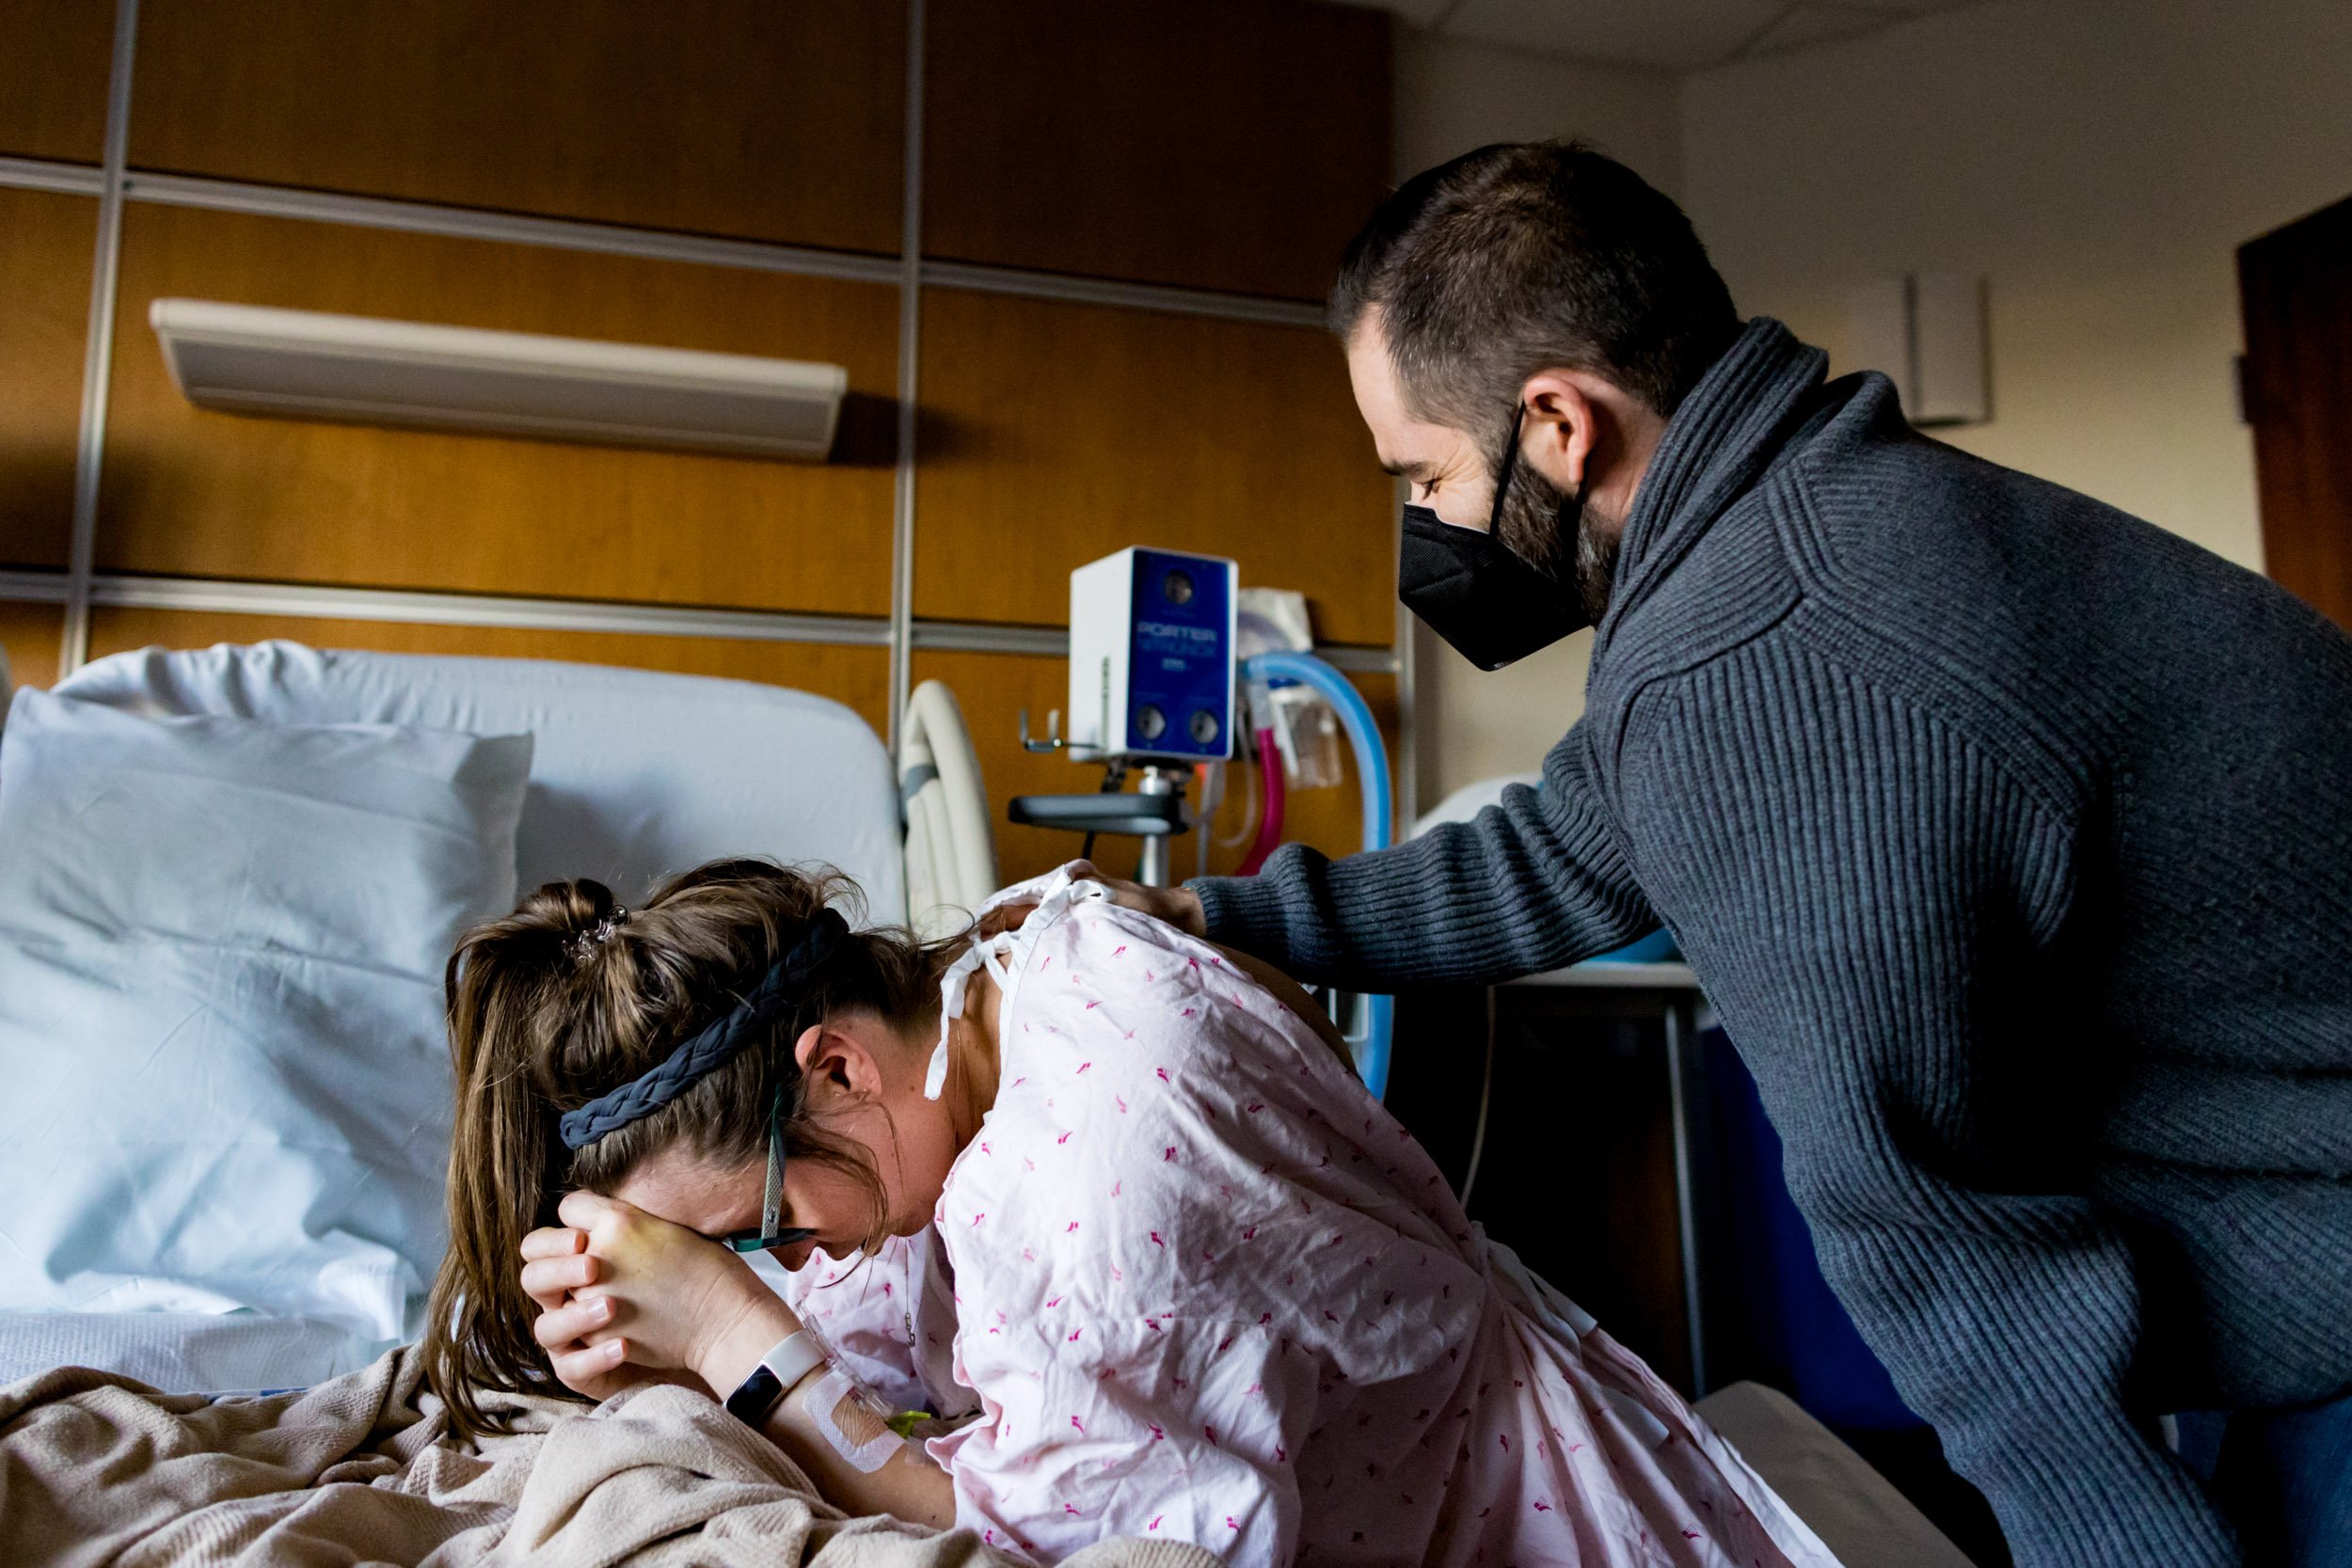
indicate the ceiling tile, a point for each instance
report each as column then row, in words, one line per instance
column 1673, row 35
column 1812, row 24
column 1668, row 35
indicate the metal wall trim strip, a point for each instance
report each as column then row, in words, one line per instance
column 1350, row 655
column 98, row 346
column 422, row 217
column 1137, row 296
column 315, row 602
column 909, row 369
column 18, row 587
column 976, row 637
column 46, row 174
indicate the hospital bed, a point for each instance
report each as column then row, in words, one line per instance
column 637, row 774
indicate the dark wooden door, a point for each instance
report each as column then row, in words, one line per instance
column 2294, row 286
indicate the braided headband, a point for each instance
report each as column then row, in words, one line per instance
column 777, row 991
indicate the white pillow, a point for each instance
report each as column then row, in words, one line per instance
column 222, row 1059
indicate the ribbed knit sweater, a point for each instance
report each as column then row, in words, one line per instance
column 2011, row 837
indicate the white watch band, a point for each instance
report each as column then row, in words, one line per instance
column 797, row 1356
column 778, row 1373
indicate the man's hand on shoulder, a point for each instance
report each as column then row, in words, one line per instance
column 1179, row 907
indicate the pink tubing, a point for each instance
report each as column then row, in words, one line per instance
column 1269, row 825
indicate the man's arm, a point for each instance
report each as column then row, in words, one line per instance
column 1880, row 901
column 1531, row 884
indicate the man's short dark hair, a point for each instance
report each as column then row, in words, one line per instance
column 1521, row 256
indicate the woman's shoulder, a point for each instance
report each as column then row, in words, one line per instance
column 1164, row 985
column 1146, row 1070
column 1143, row 1017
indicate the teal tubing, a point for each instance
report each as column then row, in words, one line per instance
column 1371, row 772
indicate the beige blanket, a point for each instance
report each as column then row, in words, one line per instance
column 99, row 1469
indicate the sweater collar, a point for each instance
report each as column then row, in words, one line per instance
column 1726, row 432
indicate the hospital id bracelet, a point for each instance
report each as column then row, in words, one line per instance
column 778, row 1373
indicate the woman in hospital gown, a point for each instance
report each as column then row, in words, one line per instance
column 1205, row 1287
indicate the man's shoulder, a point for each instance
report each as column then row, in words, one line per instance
column 1869, row 554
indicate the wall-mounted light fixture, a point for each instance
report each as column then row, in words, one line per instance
column 360, row 370
column 1928, row 332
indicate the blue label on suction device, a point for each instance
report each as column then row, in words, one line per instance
column 1179, row 668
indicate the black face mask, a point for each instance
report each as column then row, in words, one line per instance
column 1477, row 592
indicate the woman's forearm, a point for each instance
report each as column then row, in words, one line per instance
column 905, row 1485
column 823, row 1426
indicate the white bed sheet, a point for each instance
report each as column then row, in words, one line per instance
column 185, row 1353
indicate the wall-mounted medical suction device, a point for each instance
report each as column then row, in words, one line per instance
column 1154, row 680
column 1150, row 689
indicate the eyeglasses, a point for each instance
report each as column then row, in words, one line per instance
column 771, row 1205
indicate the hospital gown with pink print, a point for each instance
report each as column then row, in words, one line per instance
column 1207, row 1289
column 888, row 1318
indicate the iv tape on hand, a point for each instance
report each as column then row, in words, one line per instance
column 849, row 1419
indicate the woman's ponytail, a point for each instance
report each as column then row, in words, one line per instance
column 507, row 1165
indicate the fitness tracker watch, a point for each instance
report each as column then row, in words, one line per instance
column 797, row 1356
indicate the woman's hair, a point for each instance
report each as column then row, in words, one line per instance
column 566, row 1000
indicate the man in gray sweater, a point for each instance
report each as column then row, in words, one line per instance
column 2010, row 835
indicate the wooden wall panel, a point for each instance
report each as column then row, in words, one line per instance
column 55, row 56
column 221, row 495
column 1223, row 144
column 46, row 243
column 32, row 634
column 856, row 676
column 993, row 689
column 773, row 122
column 1055, row 433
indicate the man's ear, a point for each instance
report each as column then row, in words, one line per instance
column 838, row 1061
column 1566, row 423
